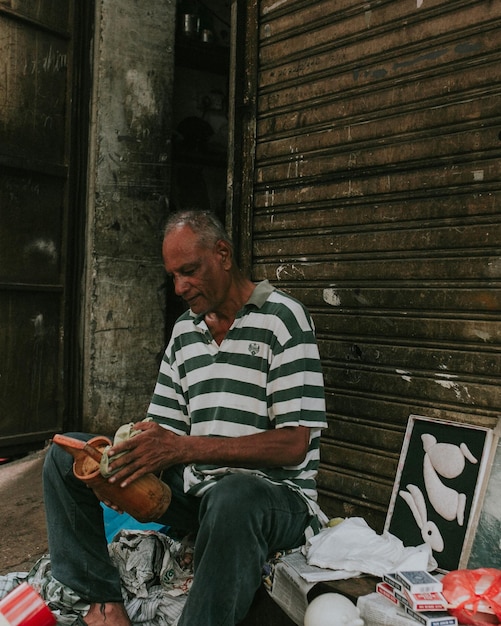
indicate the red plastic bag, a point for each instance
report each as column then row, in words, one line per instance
column 474, row 595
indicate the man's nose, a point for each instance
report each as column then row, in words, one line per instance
column 180, row 285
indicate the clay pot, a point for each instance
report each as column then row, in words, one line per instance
column 145, row 499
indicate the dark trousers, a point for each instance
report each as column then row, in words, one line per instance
column 238, row 523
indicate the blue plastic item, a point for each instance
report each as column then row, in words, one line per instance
column 113, row 522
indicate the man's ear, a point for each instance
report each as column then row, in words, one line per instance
column 225, row 253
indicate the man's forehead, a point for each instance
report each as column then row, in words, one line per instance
column 181, row 239
column 181, row 232
column 181, row 256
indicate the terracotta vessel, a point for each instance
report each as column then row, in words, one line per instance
column 146, row 498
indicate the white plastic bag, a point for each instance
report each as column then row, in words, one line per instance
column 355, row 547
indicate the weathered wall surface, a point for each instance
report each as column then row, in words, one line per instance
column 129, row 173
column 373, row 195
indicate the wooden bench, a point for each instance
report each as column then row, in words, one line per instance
column 265, row 612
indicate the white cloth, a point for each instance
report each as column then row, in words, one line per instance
column 356, row 548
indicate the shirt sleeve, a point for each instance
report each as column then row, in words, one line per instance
column 167, row 406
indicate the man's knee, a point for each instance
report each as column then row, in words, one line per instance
column 237, row 496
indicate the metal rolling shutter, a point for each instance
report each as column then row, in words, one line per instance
column 376, row 201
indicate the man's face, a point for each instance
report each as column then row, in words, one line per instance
column 200, row 274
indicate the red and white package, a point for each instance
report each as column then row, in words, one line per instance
column 474, row 596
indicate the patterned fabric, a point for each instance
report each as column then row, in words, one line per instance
column 266, row 374
column 155, row 573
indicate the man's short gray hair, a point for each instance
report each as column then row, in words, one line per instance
column 203, row 223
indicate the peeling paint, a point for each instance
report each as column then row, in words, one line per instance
column 274, row 6
column 405, row 375
column 141, row 91
column 494, row 267
column 46, row 247
column 287, row 271
column 467, row 48
column 478, row 175
column 295, row 161
column 482, row 335
column 38, row 323
column 267, row 196
column 428, row 56
column 362, row 300
column 330, row 296
column 281, row 269
column 460, row 392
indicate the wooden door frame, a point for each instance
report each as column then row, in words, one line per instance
column 242, row 122
column 80, row 93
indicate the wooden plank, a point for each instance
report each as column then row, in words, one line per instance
column 361, row 298
column 31, row 234
column 50, row 15
column 424, row 327
column 33, row 102
column 373, row 211
column 462, row 235
column 353, row 267
column 355, row 487
column 447, row 152
column 455, row 125
column 30, row 342
column 391, row 413
column 387, row 29
column 355, row 92
column 462, row 173
column 351, row 457
column 363, row 433
column 440, row 389
column 444, row 361
column 335, row 505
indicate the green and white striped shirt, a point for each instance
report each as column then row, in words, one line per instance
column 265, row 374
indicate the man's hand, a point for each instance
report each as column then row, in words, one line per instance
column 109, row 504
column 151, row 450
column 155, row 448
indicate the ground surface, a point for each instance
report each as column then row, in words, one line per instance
column 23, row 535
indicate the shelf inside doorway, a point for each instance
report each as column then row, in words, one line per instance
column 199, row 55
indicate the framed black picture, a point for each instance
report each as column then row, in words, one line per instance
column 439, row 487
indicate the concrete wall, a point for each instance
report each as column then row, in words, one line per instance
column 129, row 172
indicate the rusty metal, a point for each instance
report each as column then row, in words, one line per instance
column 375, row 199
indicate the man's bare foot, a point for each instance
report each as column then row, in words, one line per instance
column 107, row 614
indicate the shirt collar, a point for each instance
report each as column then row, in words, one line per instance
column 257, row 298
column 260, row 294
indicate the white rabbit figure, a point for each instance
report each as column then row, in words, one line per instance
column 447, row 460
column 429, row 530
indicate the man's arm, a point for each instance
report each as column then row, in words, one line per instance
column 157, row 448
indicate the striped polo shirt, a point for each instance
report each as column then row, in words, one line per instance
column 265, row 374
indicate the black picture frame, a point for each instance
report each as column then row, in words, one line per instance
column 428, row 479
